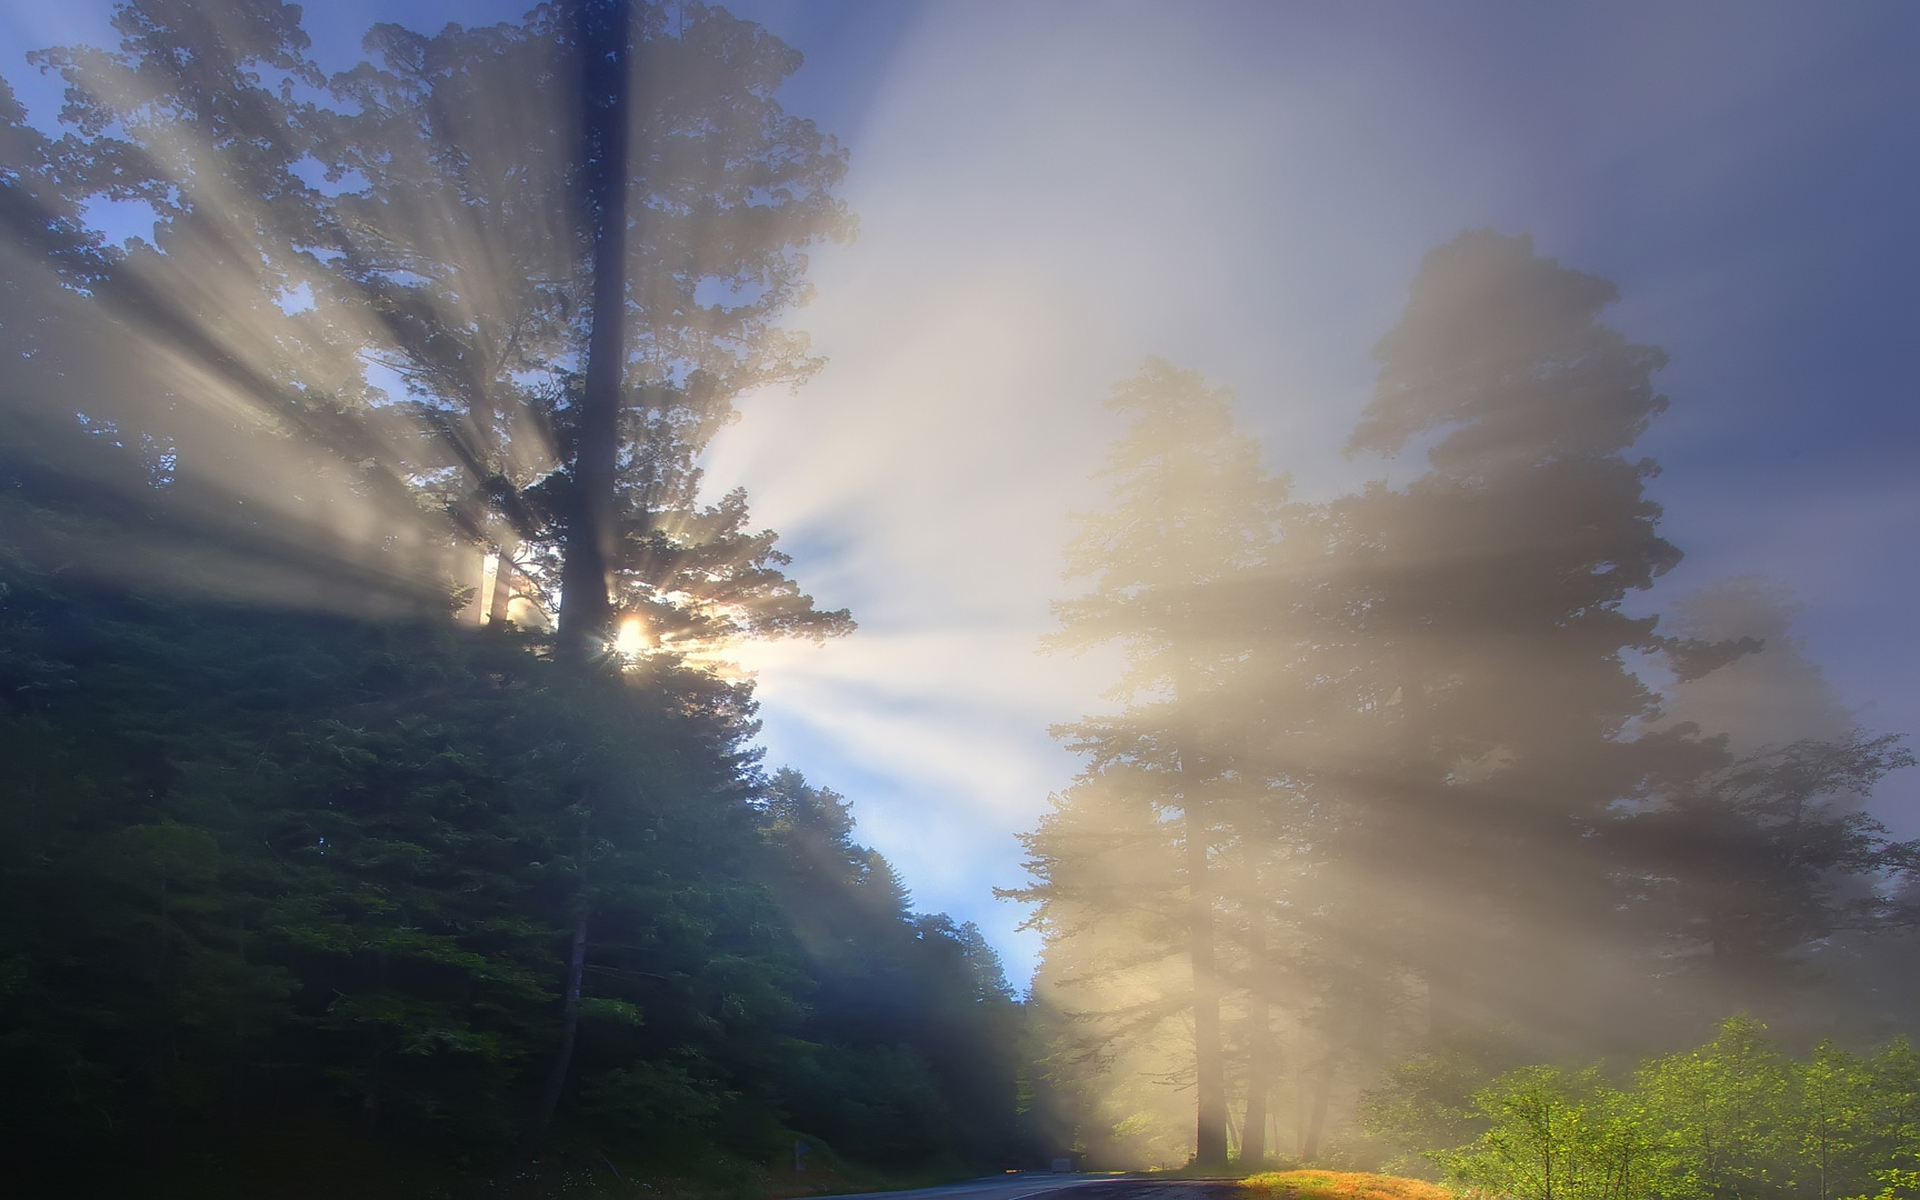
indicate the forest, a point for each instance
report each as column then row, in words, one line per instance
column 382, row 810
column 1402, row 797
column 324, row 852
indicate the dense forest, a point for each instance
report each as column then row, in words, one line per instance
column 278, row 881
column 377, row 802
column 381, row 813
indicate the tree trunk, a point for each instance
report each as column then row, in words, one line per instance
column 1253, row 1133
column 1253, row 1138
column 570, row 1014
column 1261, row 1056
column 570, row 1025
column 1322, row 1096
column 502, row 594
column 1210, row 1135
column 586, row 612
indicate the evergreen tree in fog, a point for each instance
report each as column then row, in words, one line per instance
column 1391, row 778
column 1126, row 863
column 1495, row 585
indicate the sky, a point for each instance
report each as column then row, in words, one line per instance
column 1049, row 191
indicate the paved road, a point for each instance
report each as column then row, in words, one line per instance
column 1064, row 1187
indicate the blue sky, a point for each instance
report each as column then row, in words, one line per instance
column 1050, row 191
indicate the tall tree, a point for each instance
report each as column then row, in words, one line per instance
column 559, row 386
column 578, row 233
column 1398, row 742
column 1498, row 582
column 1194, row 515
column 482, row 188
column 603, row 37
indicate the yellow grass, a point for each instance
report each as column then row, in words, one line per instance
column 1342, row 1185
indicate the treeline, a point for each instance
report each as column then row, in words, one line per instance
column 284, row 890
column 1393, row 771
column 1734, row 1117
column 377, row 806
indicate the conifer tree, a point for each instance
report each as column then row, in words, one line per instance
column 577, row 234
column 1495, row 588
column 1141, row 829
column 1537, row 851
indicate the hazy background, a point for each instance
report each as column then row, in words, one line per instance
column 1049, row 192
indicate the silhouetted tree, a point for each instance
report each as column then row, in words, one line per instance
column 480, row 185
column 1494, row 590
column 265, row 870
column 1140, row 829
column 1746, row 866
column 577, row 233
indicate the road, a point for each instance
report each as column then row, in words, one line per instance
column 1037, row 1184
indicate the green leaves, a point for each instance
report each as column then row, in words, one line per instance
column 1554, row 1135
column 1718, row 1111
column 1897, row 1183
column 1732, row 1118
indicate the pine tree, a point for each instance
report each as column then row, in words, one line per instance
column 1141, row 829
column 1495, row 601
column 578, row 310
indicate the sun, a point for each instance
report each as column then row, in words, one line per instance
column 632, row 638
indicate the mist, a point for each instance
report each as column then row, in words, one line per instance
column 1506, row 411
column 1048, row 196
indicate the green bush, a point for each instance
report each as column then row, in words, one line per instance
column 1733, row 1118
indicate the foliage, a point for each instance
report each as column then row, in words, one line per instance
column 271, row 875
column 294, row 855
column 419, row 219
column 1733, row 1117
column 1551, row 1134
column 1427, row 1100
column 1897, row 1183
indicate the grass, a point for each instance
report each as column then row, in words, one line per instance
column 1342, row 1185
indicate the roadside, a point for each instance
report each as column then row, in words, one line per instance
column 1082, row 1185
column 1015, row 1186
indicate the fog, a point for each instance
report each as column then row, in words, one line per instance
column 1657, row 391
column 1048, row 195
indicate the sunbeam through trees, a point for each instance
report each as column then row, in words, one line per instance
column 1389, row 775
column 385, row 804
